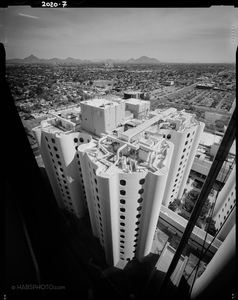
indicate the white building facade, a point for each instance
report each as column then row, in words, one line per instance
column 139, row 108
column 184, row 132
column 101, row 115
column 225, row 208
column 206, row 152
column 122, row 178
column 124, row 196
column 57, row 147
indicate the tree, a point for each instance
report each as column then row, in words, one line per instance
column 174, row 205
column 48, row 97
column 211, row 229
column 36, row 106
column 210, row 126
column 69, row 98
column 225, row 75
column 193, row 194
column 39, row 90
column 192, row 108
column 182, row 214
column 219, row 123
column 199, row 223
column 206, row 208
column 147, row 96
column 31, row 94
column 177, row 201
column 86, row 97
column 25, row 109
column 188, row 205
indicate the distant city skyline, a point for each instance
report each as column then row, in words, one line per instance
column 192, row 35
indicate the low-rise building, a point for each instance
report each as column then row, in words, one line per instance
column 205, row 154
column 101, row 115
column 139, row 108
column 133, row 94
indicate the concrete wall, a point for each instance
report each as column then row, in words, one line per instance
column 61, row 162
column 123, row 207
column 99, row 120
column 218, row 280
column 194, row 141
column 184, row 152
column 154, row 192
column 178, row 224
column 203, row 166
column 224, row 210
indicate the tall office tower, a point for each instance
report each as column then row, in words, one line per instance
column 57, row 139
column 125, row 174
column 225, row 208
column 184, row 132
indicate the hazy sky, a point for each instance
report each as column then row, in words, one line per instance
column 168, row 34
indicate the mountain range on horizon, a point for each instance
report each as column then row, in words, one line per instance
column 69, row 60
column 143, row 60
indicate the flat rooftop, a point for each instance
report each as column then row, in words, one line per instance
column 129, row 134
column 54, row 126
column 112, row 154
column 135, row 101
column 208, row 139
column 100, row 103
column 132, row 92
column 169, row 119
column 62, row 122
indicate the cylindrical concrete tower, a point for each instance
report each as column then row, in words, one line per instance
column 124, row 195
column 58, row 151
column 228, row 191
column 225, row 208
column 184, row 132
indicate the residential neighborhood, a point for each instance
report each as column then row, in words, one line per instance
column 39, row 89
